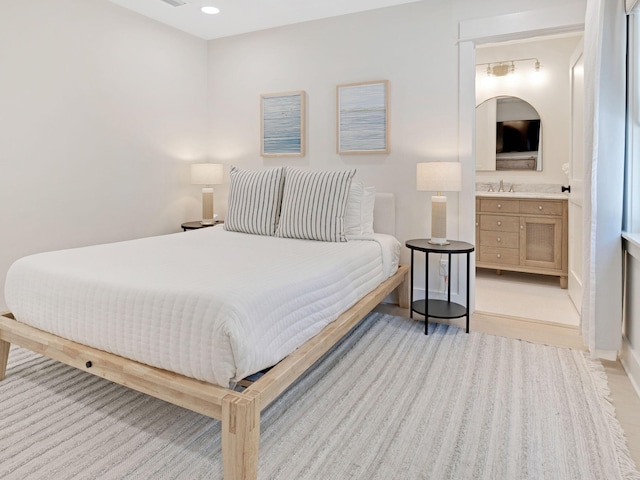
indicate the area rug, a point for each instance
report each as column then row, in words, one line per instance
column 386, row 403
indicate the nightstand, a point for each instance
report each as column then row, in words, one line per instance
column 438, row 308
column 196, row 225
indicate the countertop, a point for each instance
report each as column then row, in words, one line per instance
column 540, row 196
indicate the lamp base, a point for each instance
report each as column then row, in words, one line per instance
column 208, row 218
column 438, row 241
column 438, row 220
column 210, row 221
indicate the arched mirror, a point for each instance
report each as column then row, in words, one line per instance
column 508, row 135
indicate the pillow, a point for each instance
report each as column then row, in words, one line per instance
column 313, row 205
column 358, row 216
column 254, row 200
column 368, row 202
column 353, row 211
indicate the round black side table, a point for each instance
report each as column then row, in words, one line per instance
column 439, row 308
column 196, row 225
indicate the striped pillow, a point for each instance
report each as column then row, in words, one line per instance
column 254, row 200
column 313, row 205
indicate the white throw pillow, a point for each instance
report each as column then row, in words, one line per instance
column 353, row 212
column 368, row 203
column 358, row 216
column 313, row 205
column 255, row 198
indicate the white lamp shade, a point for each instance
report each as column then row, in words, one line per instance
column 439, row 177
column 206, row 173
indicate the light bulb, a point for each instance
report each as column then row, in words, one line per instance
column 209, row 10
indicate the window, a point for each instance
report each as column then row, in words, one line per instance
column 632, row 169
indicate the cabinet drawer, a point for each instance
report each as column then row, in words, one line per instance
column 541, row 207
column 499, row 239
column 499, row 256
column 496, row 205
column 499, row 223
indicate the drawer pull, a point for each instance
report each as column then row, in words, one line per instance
column 476, row 224
column 499, row 239
column 499, row 205
column 499, row 223
column 539, row 207
column 521, row 227
column 498, row 255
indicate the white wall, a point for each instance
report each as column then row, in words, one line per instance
column 413, row 46
column 630, row 352
column 395, row 44
column 547, row 91
column 100, row 110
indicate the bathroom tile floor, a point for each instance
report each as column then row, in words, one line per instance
column 524, row 295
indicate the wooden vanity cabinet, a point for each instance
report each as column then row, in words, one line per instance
column 522, row 235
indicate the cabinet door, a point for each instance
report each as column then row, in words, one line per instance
column 541, row 242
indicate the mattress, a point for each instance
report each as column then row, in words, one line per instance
column 209, row 304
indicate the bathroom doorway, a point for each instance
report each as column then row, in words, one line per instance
column 534, row 71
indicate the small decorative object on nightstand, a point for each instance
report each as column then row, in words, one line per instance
column 196, row 225
column 439, row 308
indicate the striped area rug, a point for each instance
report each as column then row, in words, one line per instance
column 387, row 403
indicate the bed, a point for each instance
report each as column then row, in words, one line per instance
column 185, row 317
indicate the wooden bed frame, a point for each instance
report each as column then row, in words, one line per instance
column 238, row 411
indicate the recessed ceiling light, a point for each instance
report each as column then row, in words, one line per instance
column 210, row 10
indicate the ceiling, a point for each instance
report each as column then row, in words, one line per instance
column 242, row 16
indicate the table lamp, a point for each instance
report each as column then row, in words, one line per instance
column 207, row 174
column 439, row 177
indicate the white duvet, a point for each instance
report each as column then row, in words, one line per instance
column 209, row 304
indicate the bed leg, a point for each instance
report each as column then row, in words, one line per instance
column 403, row 292
column 4, row 358
column 240, row 437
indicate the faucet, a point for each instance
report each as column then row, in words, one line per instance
column 501, row 187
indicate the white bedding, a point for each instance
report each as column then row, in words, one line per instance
column 209, row 304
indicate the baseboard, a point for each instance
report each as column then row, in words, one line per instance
column 611, row 355
column 631, row 364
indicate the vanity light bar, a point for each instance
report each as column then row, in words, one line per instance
column 505, row 67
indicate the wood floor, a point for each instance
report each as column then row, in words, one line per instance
column 624, row 397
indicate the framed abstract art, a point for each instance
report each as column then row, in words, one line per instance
column 363, row 117
column 282, row 129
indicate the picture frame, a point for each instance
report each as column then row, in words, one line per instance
column 282, row 124
column 362, row 124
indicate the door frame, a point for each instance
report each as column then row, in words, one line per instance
column 576, row 194
column 501, row 28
